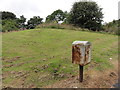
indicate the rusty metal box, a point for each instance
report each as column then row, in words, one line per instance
column 81, row 52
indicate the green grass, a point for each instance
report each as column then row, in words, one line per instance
column 51, row 48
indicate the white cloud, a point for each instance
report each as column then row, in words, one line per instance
column 119, row 10
column 42, row 8
column 110, row 9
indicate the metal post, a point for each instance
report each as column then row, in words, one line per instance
column 81, row 55
column 80, row 73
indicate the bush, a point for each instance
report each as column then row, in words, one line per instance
column 112, row 27
column 9, row 25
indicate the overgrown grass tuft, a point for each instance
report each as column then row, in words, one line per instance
column 60, row 26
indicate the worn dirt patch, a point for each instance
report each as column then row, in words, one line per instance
column 12, row 65
column 10, row 60
column 92, row 79
column 18, row 78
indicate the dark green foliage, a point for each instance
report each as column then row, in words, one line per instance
column 0, row 14
column 56, row 16
column 86, row 15
column 66, row 17
column 33, row 22
column 21, row 22
column 0, row 22
column 8, row 22
column 0, row 27
column 9, row 25
column 8, row 15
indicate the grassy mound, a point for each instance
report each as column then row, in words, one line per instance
column 41, row 57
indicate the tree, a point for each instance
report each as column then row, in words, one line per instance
column 8, row 15
column 8, row 21
column 56, row 16
column 86, row 15
column 0, row 22
column 21, row 22
column 33, row 22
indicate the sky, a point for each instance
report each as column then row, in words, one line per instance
column 43, row 8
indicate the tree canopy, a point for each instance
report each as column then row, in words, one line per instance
column 86, row 15
column 33, row 22
column 8, row 15
column 21, row 22
column 10, row 22
column 56, row 16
